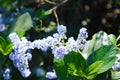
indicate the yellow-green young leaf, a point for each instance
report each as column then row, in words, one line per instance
column 48, row 12
column 1, row 51
column 8, row 49
column 2, row 42
column 21, row 24
column 92, row 70
column 74, row 63
column 107, row 54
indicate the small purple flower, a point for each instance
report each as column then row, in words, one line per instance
column 61, row 29
column 14, row 38
column 118, row 57
column 6, row 74
column 60, row 51
column 116, row 66
column 51, row 75
column 81, row 40
column 25, row 73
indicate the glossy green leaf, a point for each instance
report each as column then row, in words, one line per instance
column 5, row 46
column 92, row 70
column 21, row 25
column 74, row 63
column 107, row 54
column 60, row 69
column 99, row 39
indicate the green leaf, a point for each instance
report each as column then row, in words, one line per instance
column 99, row 39
column 74, row 63
column 40, row 14
column 60, row 69
column 2, row 42
column 107, row 54
column 113, row 38
column 8, row 49
column 48, row 12
column 5, row 46
column 21, row 25
column 92, row 70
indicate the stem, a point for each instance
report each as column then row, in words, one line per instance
column 56, row 17
column 58, row 5
column 118, row 45
column 50, row 2
column 55, row 7
column 40, row 24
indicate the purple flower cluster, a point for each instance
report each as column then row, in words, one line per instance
column 81, row 40
column 20, row 56
column 56, row 43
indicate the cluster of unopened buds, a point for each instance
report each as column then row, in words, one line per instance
column 56, row 43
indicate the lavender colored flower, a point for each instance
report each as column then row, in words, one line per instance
column 83, row 33
column 14, row 38
column 25, row 72
column 6, row 74
column 36, row 44
column 71, row 45
column 81, row 40
column 21, row 62
column 51, row 75
column 59, row 52
column 118, row 57
column 116, row 66
column 61, row 29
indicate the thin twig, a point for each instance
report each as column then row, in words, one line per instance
column 58, row 5
column 54, row 11
column 50, row 2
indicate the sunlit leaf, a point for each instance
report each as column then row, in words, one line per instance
column 92, row 70
column 21, row 25
column 107, row 54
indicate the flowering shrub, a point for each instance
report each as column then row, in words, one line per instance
column 69, row 62
column 62, row 57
